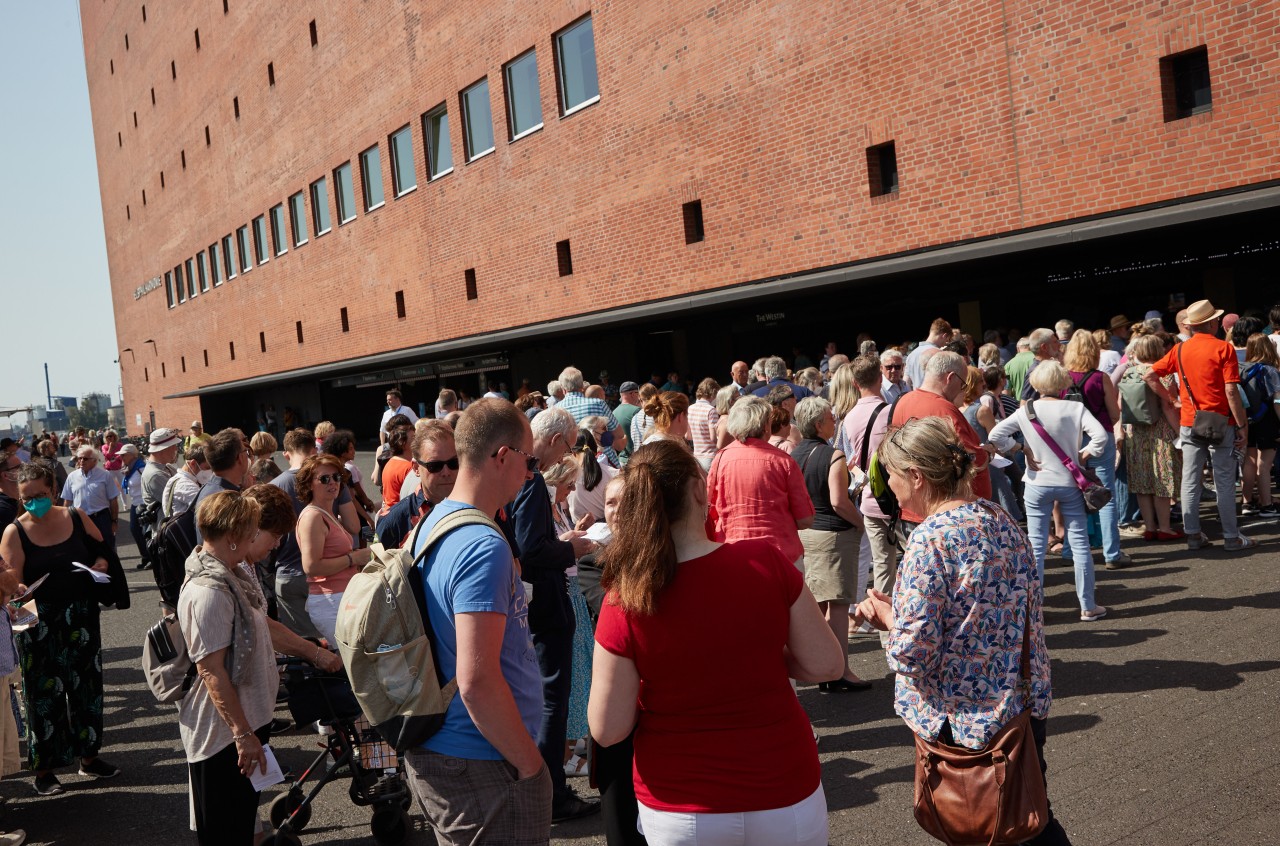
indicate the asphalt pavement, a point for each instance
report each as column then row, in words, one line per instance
column 1162, row 731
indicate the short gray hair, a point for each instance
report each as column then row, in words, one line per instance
column 571, row 379
column 1041, row 338
column 808, row 412
column 554, row 421
column 86, row 449
column 944, row 362
column 775, row 367
column 1064, row 328
column 1024, row 344
column 757, row 367
column 749, row 418
column 891, row 355
column 553, row 388
column 725, row 398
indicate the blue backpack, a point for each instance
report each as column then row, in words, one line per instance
column 1255, row 391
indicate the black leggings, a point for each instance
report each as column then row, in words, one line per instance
column 1053, row 834
column 225, row 802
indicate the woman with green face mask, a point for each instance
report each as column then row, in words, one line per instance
column 61, row 667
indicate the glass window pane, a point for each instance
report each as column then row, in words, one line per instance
column 320, row 205
column 215, row 264
column 524, row 103
column 436, row 131
column 298, row 218
column 191, row 279
column 477, row 119
column 168, row 288
column 402, row 172
column 228, row 257
column 178, row 284
column 577, row 55
column 345, row 193
column 260, row 238
column 371, row 177
column 277, row 229
column 202, row 266
column 242, row 244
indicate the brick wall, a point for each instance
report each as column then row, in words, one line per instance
column 1003, row 116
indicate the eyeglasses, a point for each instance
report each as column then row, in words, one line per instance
column 893, row 366
column 531, row 461
column 434, row 467
column 330, row 477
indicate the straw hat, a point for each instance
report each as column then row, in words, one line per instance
column 1202, row 311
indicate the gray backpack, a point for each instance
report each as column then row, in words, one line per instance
column 1138, row 403
column 386, row 644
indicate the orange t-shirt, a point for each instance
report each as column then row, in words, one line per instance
column 393, row 476
column 1208, row 366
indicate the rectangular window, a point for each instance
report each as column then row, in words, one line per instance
column 400, row 304
column 470, row 276
column 191, row 279
column 882, row 169
column 320, row 206
column 435, row 134
column 178, row 284
column 564, row 258
column 260, row 247
column 477, row 120
column 228, row 258
column 242, row 248
column 576, row 67
column 298, row 325
column 298, row 218
column 346, row 324
column 692, row 212
column 344, row 193
column 371, row 177
column 1184, row 80
column 277, row 230
column 403, row 177
column 168, row 288
column 524, row 99
column 262, row 341
column 202, row 268
column 215, row 264
column 232, row 346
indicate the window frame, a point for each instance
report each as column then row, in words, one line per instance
column 276, row 216
column 297, row 237
column 244, row 249
column 397, row 190
column 215, row 261
column 509, row 95
column 261, row 246
column 202, row 270
column 467, row 122
column 179, row 286
column 229, row 261
column 561, row 88
column 168, row 289
column 345, row 167
column 189, row 267
column 365, row 195
column 319, row 205
column 439, row 112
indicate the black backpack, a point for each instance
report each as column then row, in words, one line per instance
column 1075, row 391
column 170, row 546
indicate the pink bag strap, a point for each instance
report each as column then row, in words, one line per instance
column 1074, row 469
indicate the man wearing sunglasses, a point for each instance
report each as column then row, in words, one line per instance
column 10, row 507
column 436, row 458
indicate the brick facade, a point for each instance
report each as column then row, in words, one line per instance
column 1004, row 117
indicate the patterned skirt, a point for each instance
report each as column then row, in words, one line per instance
column 1154, row 460
column 584, row 643
column 61, row 660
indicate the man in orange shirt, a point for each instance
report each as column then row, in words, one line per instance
column 1208, row 376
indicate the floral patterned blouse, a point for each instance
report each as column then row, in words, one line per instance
column 959, row 610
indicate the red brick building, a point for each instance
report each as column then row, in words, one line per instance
column 669, row 185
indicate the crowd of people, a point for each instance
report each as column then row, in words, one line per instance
column 899, row 492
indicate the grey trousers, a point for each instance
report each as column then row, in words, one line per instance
column 884, row 554
column 1225, row 465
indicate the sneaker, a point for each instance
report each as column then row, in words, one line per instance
column 1120, row 563
column 1268, row 512
column 1238, row 543
column 1199, row 541
column 48, row 785
column 98, row 768
column 573, row 807
column 1248, row 510
column 1093, row 614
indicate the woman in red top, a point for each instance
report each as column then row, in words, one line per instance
column 723, row 751
column 398, row 466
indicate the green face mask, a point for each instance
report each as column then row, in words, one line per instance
column 38, row 507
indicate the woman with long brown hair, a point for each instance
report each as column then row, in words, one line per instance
column 720, row 738
column 1260, row 376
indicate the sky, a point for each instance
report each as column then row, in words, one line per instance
column 53, row 280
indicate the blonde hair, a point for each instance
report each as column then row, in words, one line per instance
column 975, row 385
column 323, row 430
column 844, row 393
column 228, row 514
column 1049, row 378
column 1147, row 349
column 262, row 444
column 1082, row 352
column 562, row 472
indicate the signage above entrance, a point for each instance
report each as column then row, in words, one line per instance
column 412, row 373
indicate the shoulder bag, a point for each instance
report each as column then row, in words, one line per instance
column 1209, row 428
column 994, row 796
column 1095, row 493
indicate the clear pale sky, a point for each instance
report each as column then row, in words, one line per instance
column 53, row 279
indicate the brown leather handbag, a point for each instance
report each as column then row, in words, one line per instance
column 994, row 796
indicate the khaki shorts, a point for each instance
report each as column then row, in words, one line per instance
column 831, row 564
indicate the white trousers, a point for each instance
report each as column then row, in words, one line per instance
column 801, row 824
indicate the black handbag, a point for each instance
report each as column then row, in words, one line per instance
column 1209, row 428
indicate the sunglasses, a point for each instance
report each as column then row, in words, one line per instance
column 893, row 367
column 530, row 463
column 434, row 467
column 330, row 477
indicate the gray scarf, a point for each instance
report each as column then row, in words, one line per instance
column 204, row 569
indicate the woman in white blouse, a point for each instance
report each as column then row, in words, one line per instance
column 1048, row 481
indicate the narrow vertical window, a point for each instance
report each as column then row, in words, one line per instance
column 144, row 196
column 228, row 258
column 371, row 177
column 320, row 206
column 231, row 345
column 346, row 325
column 298, row 326
column 168, row 288
column 298, row 218
column 477, row 120
column 202, row 268
column 262, row 341
column 164, row 371
column 128, row 215
column 162, row 179
column 144, row 14
column 260, row 248
column 215, row 264
column 184, row 159
column 242, row 247
column 882, row 169
column 403, row 177
column 207, row 140
column 692, row 213
column 146, row 374
column 344, row 193
column 135, row 120
column 435, row 135
column 314, row 38
column 183, row 359
column 271, row 73
column 120, row 138
column 470, row 276
column 235, row 105
column 173, row 69
column 197, row 39
column 400, row 304
column 524, row 98
column 277, row 229
column 576, row 67
column 178, row 284
column 190, row 269
column 564, row 258
column 206, row 358
column 153, row 96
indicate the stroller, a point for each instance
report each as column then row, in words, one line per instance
column 353, row 750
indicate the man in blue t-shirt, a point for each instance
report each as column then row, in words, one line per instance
column 477, row 608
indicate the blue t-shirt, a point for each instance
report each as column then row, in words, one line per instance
column 472, row 570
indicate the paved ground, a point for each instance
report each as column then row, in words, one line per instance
column 1163, row 728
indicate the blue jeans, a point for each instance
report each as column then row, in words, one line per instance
column 1109, row 515
column 554, row 648
column 1039, row 501
column 1002, row 490
column 1130, row 513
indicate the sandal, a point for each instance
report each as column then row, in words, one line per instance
column 1055, row 545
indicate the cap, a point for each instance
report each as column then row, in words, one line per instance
column 129, row 448
column 1229, row 320
column 162, row 439
column 628, row 386
column 195, row 424
column 1152, row 315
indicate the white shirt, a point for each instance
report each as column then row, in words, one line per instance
column 392, row 412
column 1064, row 421
column 1108, row 361
column 179, row 493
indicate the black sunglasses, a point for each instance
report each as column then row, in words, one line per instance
column 434, row 467
column 330, row 477
column 530, row 461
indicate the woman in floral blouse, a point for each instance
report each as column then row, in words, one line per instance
column 960, row 603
